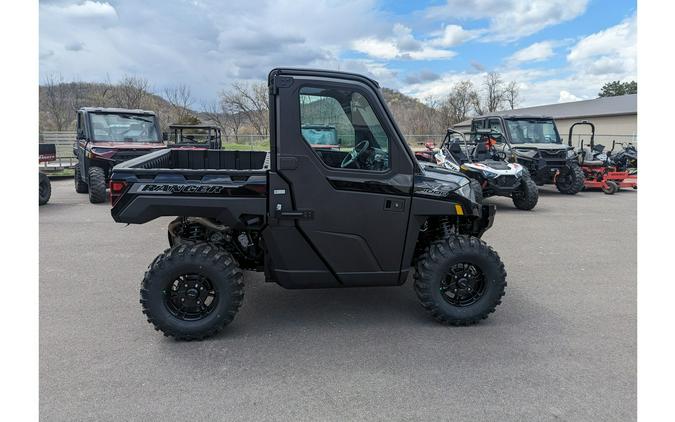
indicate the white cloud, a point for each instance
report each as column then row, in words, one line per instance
column 535, row 52
column 453, row 35
column 89, row 9
column 511, row 19
column 401, row 44
column 566, row 97
column 611, row 52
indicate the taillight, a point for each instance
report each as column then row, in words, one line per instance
column 116, row 190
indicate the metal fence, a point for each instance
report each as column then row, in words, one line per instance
column 65, row 159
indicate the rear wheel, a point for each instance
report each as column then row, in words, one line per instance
column 572, row 181
column 45, row 189
column 80, row 186
column 611, row 188
column 460, row 280
column 97, row 185
column 191, row 292
column 527, row 196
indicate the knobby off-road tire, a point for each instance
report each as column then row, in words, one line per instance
column 434, row 269
column 572, row 182
column 527, row 196
column 192, row 266
column 97, row 185
column 477, row 190
column 45, row 189
column 80, row 186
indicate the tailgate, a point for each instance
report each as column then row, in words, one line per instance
column 232, row 197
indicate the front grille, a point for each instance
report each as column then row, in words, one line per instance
column 548, row 154
column 505, row 181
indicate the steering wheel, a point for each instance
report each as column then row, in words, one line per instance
column 500, row 155
column 355, row 153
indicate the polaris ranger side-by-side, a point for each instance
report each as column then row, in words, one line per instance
column 108, row 136
column 534, row 142
column 364, row 214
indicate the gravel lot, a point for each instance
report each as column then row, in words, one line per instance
column 562, row 346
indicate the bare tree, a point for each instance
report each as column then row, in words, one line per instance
column 494, row 91
column 512, row 94
column 180, row 99
column 460, row 102
column 131, row 92
column 252, row 102
column 56, row 101
column 225, row 116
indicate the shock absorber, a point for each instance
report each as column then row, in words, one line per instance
column 445, row 227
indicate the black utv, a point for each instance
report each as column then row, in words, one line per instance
column 534, row 142
column 363, row 214
column 108, row 136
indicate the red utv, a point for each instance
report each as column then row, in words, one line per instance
column 109, row 136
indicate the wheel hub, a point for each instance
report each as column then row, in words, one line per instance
column 463, row 285
column 191, row 297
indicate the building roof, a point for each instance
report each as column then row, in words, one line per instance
column 604, row 106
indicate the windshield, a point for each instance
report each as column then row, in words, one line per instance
column 124, row 127
column 532, row 131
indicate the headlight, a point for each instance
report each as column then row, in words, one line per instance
column 527, row 153
column 466, row 191
column 490, row 174
column 571, row 153
column 519, row 171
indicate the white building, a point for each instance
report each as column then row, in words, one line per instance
column 615, row 118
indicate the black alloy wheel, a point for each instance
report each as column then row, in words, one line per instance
column 463, row 285
column 191, row 297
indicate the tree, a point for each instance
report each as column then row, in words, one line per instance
column 131, row 92
column 512, row 94
column 180, row 100
column 252, row 102
column 225, row 116
column 57, row 101
column 459, row 103
column 616, row 88
column 494, row 91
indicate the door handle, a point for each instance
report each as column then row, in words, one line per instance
column 295, row 214
column 394, row 204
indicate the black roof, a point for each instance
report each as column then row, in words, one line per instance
column 116, row 110
column 179, row 126
column 322, row 73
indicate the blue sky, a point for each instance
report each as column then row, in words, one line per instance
column 557, row 50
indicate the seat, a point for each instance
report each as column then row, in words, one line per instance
column 456, row 150
column 481, row 152
column 589, row 159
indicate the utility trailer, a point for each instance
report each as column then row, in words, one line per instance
column 363, row 214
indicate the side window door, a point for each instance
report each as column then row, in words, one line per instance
column 341, row 128
column 350, row 178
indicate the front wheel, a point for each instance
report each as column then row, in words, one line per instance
column 611, row 188
column 572, row 181
column 45, row 189
column 97, row 185
column 190, row 292
column 527, row 196
column 460, row 280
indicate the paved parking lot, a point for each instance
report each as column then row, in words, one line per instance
column 562, row 346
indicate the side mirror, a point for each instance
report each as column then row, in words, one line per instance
column 165, row 136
